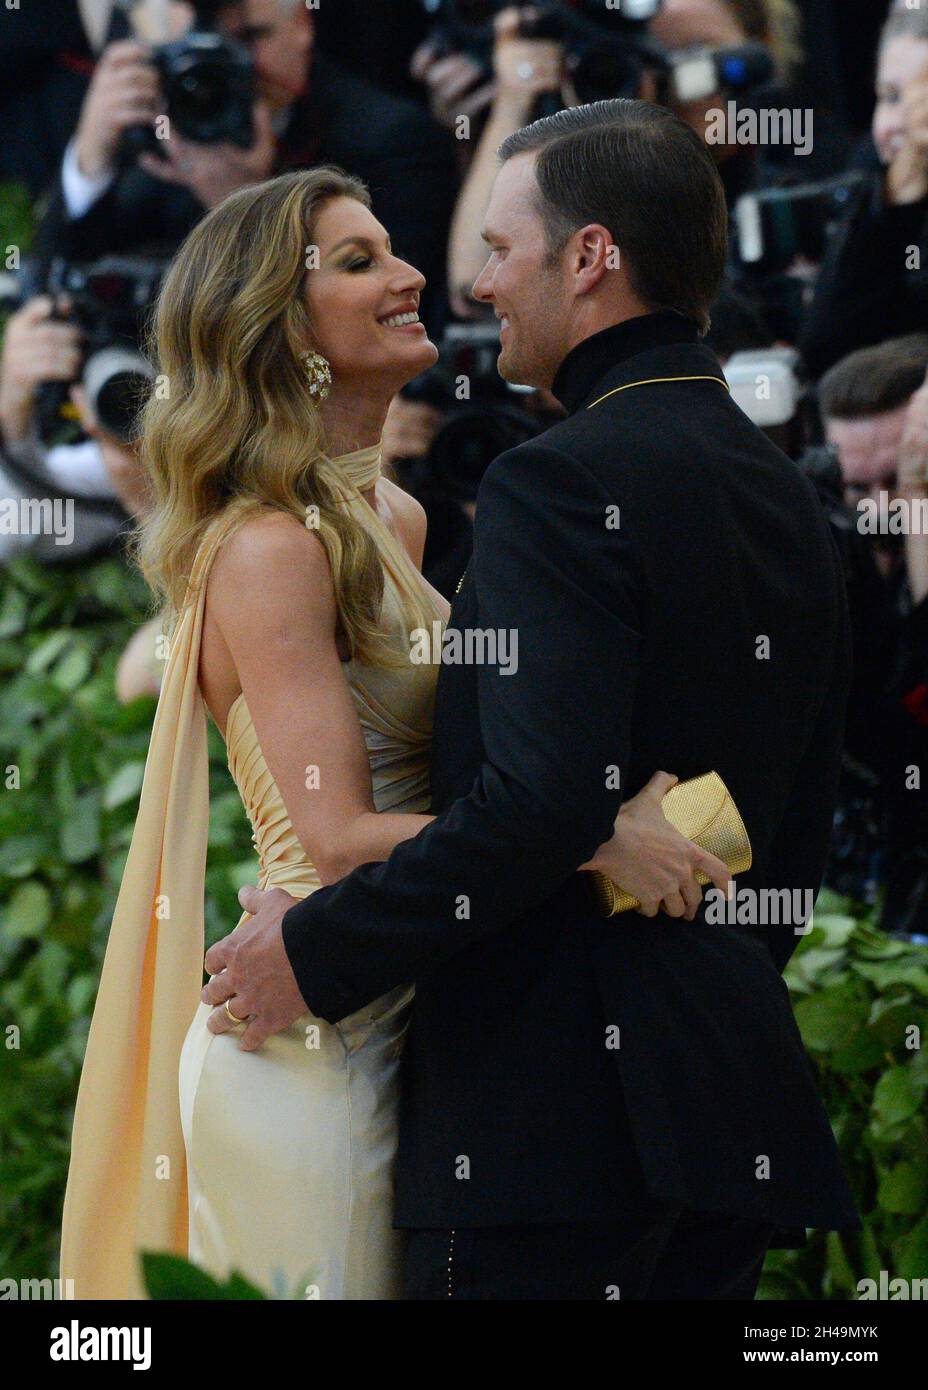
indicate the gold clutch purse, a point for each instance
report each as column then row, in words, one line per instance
column 702, row 809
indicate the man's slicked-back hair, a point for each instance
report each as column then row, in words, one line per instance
column 874, row 380
column 644, row 175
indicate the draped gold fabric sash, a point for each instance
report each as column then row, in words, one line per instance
column 127, row 1184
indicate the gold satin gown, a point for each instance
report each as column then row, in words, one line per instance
column 277, row 1163
column 290, row 1149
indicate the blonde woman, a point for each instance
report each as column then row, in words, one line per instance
column 289, row 567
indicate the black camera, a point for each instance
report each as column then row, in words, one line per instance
column 110, row 302
column 484, row 415
column 607, row 50
column 207, row 82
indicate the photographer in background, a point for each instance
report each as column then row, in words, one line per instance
column 692, row 56
column 100, row 477
column 874, row 279
column 443, row 431
column 874, row 406
column 45, row 55
column 305, row 110
column 524, row 69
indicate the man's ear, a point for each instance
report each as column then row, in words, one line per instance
column 593, row 254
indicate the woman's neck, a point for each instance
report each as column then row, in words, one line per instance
column 353, row 420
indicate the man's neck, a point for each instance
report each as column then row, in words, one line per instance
column 598, row 318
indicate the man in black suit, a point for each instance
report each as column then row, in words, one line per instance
column 595, row 1109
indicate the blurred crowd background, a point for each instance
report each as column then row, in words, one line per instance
column 822, row 326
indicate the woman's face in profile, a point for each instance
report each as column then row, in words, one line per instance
column 363, row 301
column 901, row 61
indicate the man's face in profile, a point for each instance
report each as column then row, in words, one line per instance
column 521, row 282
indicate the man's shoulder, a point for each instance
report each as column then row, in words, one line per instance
column 540, row 484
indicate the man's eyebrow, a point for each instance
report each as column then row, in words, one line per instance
column 357, row 241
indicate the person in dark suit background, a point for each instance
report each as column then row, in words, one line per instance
column 44, row 62
column 597, row 1109
column 310, row 110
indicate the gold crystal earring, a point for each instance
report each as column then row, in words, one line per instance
column 318, row 374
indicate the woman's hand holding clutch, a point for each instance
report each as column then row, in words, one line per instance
column 652, row 860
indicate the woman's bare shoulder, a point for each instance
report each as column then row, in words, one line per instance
column 269, row 542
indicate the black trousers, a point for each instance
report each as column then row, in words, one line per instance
column 655, row 1253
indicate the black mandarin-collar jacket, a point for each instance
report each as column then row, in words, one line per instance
column 678, row 606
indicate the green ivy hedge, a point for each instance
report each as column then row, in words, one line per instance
column 64, row 834
column 64, row 837
column 861, row 1002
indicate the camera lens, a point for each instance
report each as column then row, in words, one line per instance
column 117, row 381
column 201, row 95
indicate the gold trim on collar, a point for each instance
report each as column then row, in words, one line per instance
column 652, row 380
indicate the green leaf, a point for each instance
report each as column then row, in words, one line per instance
column 828, row 902
column 826, row 1019
column 81, row 992
column 13, row 612
column 29, row 911
column 124, row 786
column 72, row 669
column 897, row 1097
column 902, row 973
column 42, row 656
column 913, row 1259
column 171, row 1277
column 813, row 968
column 863, row 1051
column 19, row 855
column 871, row 1259
column 904, row 1188
column 80, row 834
column 50, row 965
column 836, row 929
column 841, row 1274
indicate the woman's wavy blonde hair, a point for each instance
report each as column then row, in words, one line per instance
column 230, row 427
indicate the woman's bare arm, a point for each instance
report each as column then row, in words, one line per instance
column 271, row 595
